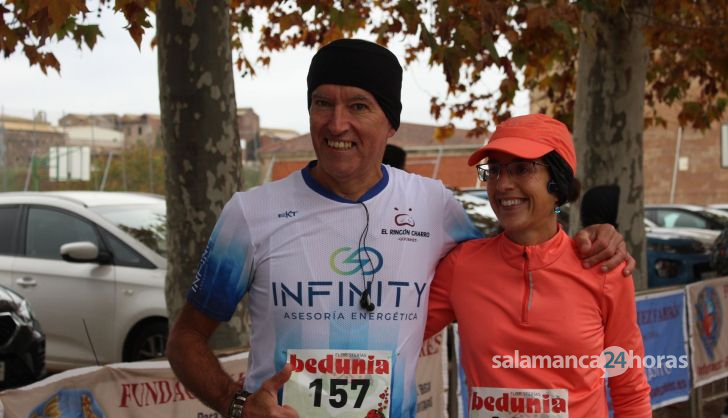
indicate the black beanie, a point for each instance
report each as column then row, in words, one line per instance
column 363, row 64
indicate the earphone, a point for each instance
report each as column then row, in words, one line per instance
column 365, row 302
column 551, row 187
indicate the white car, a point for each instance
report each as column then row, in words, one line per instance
column 92, row 266
column 704, row 236
column 479, row 211
column 686, row 216
column 719, row 206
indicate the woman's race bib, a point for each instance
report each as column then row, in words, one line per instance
column 518, row 403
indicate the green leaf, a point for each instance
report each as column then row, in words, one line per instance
column 427, row 37
column 411, row 16
column 337, row 18
column 451, row 63
column 564, row 29
column 90, row 34
column 468, row 34
column 519, row 57
column 490, row 46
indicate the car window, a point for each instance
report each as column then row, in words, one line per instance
column 8, row 224
column 146, row 223
column 715, row 219
column 652, row 215
column 673, row 219
column 48, row 229
column 123, row 254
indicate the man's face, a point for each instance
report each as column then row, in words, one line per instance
column 349, row 132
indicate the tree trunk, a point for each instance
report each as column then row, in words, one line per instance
column 200, row 136
column 608, row 116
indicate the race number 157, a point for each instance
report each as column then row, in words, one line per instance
column 338, row 391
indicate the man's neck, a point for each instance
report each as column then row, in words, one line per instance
column 351, row 189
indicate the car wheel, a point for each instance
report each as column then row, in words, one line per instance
column 147, row 341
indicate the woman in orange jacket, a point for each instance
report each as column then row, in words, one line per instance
column 532, row 321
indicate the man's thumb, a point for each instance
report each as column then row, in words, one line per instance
column 583, row 240
column 280, row 378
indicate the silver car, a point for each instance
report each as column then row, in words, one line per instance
column 92, row 266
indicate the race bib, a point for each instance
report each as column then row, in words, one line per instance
column 518, row 403
column 339, row 383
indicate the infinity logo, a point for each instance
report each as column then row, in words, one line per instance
column 348, row 259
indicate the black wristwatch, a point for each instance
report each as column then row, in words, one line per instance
column 236, row 407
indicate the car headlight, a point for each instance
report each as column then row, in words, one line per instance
column 24, row 311
column 698, row 247
column 667, row 268
column 661, row 248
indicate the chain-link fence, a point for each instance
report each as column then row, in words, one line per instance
column 138, row 168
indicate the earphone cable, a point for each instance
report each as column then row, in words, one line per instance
column 363, row 245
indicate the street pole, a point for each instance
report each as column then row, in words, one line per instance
column 106, row 170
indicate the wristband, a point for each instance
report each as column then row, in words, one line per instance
column 236, row 406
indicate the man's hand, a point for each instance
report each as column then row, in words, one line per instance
column 602, row 243
column 264, row 402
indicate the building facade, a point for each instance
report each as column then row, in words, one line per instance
column 24, row 144
column 685, row 165
column 446, row 160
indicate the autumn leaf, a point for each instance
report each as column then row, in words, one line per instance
column 290, row 20
column 451, row 62
column 136, row 32
column 57, row 13
column 442, row 133
column 686, row 39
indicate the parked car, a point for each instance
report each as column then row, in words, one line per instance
column 719, row 206
column 686, row 216
column 480, row 192
column 719, row 254
column 22, row 342
column 676, row 256
column 92, row 265
column 479, row 211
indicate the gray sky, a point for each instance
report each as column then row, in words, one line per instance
column 118, row 78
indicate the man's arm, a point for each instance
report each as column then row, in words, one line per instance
column 195, row 364
column 602, row 243
column 200, row 372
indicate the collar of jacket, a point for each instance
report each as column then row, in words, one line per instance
column 539, row 255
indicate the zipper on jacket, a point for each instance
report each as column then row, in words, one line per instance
column 527, row 289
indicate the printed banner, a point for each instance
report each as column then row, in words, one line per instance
column 431, row 377
column 145, row 389
column 462, row 386
column 339, row 383
column 661, row 317
column 707, row 302
column 149, row 389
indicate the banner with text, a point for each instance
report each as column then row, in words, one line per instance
column 432, row 377
column 661, row 317
column 707, row 302
column 144, row 389
column 149, row 389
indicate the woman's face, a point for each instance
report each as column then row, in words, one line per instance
column 521, row 202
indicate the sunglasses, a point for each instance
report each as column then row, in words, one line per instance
column 517, row 170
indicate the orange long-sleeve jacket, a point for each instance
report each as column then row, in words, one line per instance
column 521, row 301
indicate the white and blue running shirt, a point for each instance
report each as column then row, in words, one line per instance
column 296, row 249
